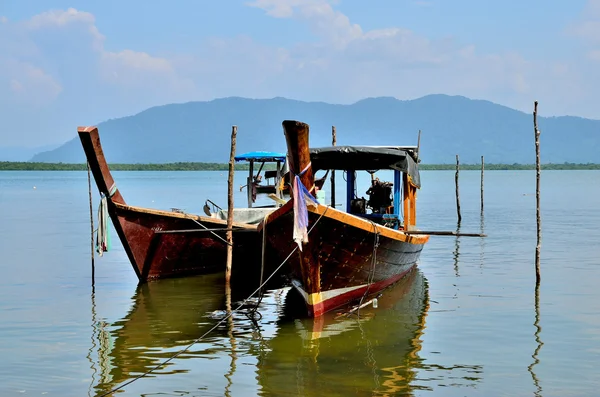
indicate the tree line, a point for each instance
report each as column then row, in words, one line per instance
column 190, row 166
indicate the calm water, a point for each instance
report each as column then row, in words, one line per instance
column 464, row 324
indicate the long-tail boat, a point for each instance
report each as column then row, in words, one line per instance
column 163, row 244
column 348, row 256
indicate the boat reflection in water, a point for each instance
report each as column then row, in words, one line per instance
column 374, row 352
column 166, row 315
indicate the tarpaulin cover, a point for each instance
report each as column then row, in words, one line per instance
column 261, row 156
column 365, row 158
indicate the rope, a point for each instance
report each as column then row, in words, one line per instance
column 103, row 234
column 373, row 264
column 91, row 221
column 252, row 312
column 189, row 216
column 216, row 325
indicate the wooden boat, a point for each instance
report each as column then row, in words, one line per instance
column 347, row 256
column 163, row 244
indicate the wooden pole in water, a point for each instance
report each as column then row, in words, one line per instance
column 419, row 148
column 482, row 168
column 333, row 143
column 457, row 194
column 537, row 195
column 91, row 223
column 230, row 206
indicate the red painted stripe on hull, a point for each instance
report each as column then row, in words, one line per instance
column 345, row 298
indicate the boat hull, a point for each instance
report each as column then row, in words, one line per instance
column 347, row 258
column 155, row 254
column 162, row 244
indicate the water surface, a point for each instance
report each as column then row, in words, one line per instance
column 463, row 324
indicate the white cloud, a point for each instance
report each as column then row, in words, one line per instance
column 57, row 55
column 326, row 22
column 76, row 35
column 59, row 18
column 394, row 61
column 27, row 83
column 594, row 55
column 587, row 27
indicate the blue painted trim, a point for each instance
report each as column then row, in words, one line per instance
column 350, row 181
column 397, row 192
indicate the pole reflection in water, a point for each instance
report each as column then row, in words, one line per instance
column 456, row 253
column 538, row 330
column 482, row 240
column 232, row 342
column 376, row 353
column 99, row 347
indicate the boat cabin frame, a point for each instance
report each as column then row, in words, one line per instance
column 273, row 179
column 393, row 203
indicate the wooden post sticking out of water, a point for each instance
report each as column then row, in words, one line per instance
column 230, row 206
column 91, row 223
column 482, row 168
column 333, row 143
column 419, row 148
column 537, row 195
column 457, row 194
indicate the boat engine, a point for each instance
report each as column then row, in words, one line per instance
column 380, row 196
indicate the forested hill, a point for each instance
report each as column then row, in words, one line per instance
column 200, row 131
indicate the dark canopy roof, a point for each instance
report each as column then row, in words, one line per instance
column 261, row 156
column 366, row 158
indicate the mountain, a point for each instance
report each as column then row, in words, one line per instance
column 200, row 131
column 22, row 153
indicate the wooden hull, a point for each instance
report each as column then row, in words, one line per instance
column 340, row 264
column 155, row 254
column 186, row 249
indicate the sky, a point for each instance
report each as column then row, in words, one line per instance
column 80, row 62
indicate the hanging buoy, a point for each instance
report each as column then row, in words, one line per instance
column 375, row 303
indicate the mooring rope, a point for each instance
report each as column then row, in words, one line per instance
column 190, row 217
column 91, row 221
column 252, row 312
column 373, row 265
column 103, row 234
column 237, row 309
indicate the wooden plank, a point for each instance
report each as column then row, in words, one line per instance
column 444, row 233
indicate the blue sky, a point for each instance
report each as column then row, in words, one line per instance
column 69, row 63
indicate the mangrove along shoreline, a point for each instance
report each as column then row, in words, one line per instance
column 189, row 166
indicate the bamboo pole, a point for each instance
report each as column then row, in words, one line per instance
column 91, row 224
column 538, row 246
column 457, row 193
column 230, row 206
column 333, row 143
column 482, row 168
